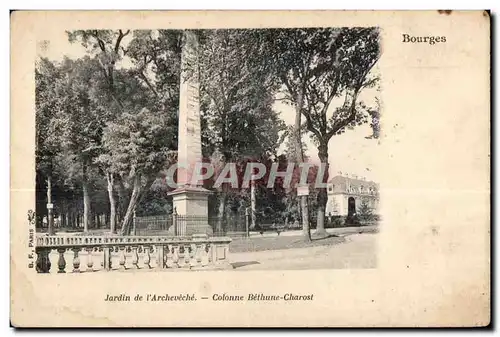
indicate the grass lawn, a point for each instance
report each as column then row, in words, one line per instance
column 258, row 244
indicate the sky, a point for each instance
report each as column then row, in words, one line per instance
column 349, row 153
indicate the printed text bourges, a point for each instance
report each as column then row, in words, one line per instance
column 432, row 40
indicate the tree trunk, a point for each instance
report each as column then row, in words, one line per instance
column 322, row 193
column 299, row 157
column 127, row 220
column 106, row 219
column 112, row 203
column 86, row 200
column 306, row 230
column 123, row 201
column 253, row 208
column 61, row 214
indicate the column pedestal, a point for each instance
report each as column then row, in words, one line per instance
column 191, row 205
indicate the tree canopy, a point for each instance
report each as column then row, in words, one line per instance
column 107, row 121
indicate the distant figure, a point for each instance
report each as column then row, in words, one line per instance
column 44, row 222
column 57, row 221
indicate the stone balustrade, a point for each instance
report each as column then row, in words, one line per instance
column 76, row 254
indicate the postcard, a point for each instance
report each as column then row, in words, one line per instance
column 250, row 169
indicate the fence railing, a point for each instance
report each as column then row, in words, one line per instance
column 153, row 225
column 64, row 254
column 237, row 225
column 186, row 225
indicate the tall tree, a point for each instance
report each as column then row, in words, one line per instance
column 106, row 46
column 139, row 147
column 354, row 54
column 237, row 96
column 156, row 61
column 77, row 121
column 150, row 82
column 45, row 103
column 324, row 71
column 291, row 56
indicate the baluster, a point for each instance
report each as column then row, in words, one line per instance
column 169, row 258
column 211, row 254
column 187, row 256
column 128, row 252
column 161, row 254
column 199, row 251
column 153, row 256
column 175, row 256
column 90, row 262
column 68, row 257
column 107, row 258
column 193, row 262
column 76, row 260
column 140, row 256
column 100, row 249
column 181, row 259
column 205, row 254
column 62, row 261
column 43, row 261
column 135, row 257
column 147, row 258
column 122, row 258
column 54, row 259
column 115, row 253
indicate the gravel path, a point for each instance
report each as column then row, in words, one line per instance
column 357, row 251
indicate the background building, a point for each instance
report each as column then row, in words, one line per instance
column 345, row 195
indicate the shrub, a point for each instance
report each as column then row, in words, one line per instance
column 365, row 212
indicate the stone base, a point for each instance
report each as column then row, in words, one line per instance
column 191, row 201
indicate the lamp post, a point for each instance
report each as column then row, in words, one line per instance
column 50, row 207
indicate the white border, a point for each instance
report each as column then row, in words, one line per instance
column 177, row 5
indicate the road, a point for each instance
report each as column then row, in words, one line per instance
column 358, row 251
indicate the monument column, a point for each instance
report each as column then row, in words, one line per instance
column 190, row 199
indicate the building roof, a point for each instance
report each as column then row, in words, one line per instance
column 343, row 184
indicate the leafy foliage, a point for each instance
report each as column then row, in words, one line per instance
column 365, row 212
column 108, row 120
column 323, row 71
column 237, row 95
column 137, row 143
column 320, row 67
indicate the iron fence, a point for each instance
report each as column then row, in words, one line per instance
column 187, row 225
column 153, row 225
